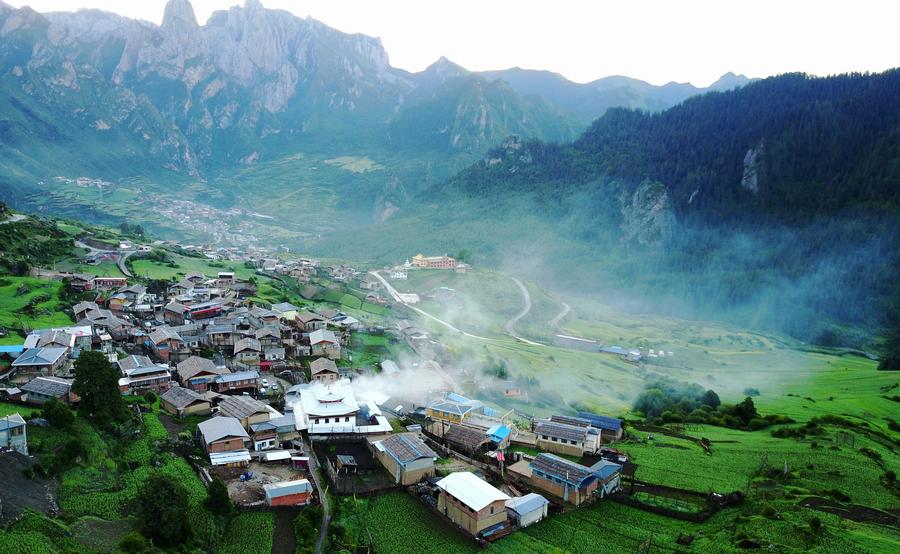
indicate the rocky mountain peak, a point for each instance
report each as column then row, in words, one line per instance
column 179, row 17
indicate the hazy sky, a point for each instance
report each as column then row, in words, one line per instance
column 654, row 40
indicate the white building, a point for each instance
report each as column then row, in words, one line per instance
column 332, row 408
column 528, row 509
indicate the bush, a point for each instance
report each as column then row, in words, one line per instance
column 749, row 391
column 756, row 424
column 815, row 525
column 150, row 397
column 890, row 476
column 769, row 512
column 874, row 454
column 134, row 543
column 58, row 414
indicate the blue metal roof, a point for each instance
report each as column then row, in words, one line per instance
column 12, row 349
column 604, row 469
column 602, row 422
column 457, row 398
column 498, row 432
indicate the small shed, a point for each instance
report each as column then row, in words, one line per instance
column 288, row 493
column 528, row 509
column 346, row 463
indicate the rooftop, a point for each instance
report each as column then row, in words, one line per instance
column 181, row 397
column 220, row 427
column 40, row 356
column 322, row 364
column 241, row 406
column 470, row 490
column 405, row 448
column 553, row 466
column 48, row 386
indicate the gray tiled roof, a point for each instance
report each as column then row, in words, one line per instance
column 241, row 406
column 181, row 398
column 220, row 427
column 48, row 386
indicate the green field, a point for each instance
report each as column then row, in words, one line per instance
column 24, row 411
column 249, row 533
column 18, row 292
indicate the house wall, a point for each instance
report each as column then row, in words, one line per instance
column 15, row 438
column 325, row 377
column 526, row 519
column 472, row 522
column 297, row 499
column 411, row 474
column 610, row 436
column 197, row 408
column 560, row 490
column 560, row 448
column 226, row 445
column 330, row 351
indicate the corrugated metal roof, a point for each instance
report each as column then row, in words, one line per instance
column 219, row 427
column 287, row 488
column 602, row 422
column 561, row 431
column 531, row 502
column 559, row 468
column 230, row 457
column 604, row 469
column 470, row 490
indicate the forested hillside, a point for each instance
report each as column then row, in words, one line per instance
column 776, row 204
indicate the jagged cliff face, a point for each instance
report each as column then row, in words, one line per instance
column 248, row 84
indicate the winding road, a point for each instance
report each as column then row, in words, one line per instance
column 511, row 324
column 555, row 321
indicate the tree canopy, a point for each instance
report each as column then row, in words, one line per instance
column 97, row 384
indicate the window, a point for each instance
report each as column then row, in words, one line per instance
column 326, row 420
column 555, row 440
column 347, row 419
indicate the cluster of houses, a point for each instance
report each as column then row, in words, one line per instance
column 169, row 339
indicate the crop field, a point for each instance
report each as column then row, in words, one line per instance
column 249, row 533
column 400, row 524
column 821, row 463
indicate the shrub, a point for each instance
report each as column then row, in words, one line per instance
column 769, row 512
column 890, row 476
column 874, row 454
column 756, row 424
column 749, row 391
column 134, row 543
column 815, row 524
column 58, row 414
column 150, row 397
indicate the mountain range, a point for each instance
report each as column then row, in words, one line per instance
column 93, row 93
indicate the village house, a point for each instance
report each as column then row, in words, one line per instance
column 323, row 342
column 203, row 310
column 263, row 435
column 405, row 457
column 260, row 317
column 51, row 338
column 467, row 440
column 237, row 383
column 528, row 509
column 225, row 441
column 433, row 262
column 181, row 402
column 221, row 336
column 567, row 435
column 563, row 479
column 40, row 361
column 198, row 373
column 13, row 435
column 247, row 352
column 323, row 370
column 41, row 389
column 173, row 313
column 268, row 337
column 286, row 311
column 166, row 343
column 108, row 283
column 81, row 309
column 610, row 427
column 288, row 493
column 608, row 477
column 309, row 321
column 145, row 377
column 470, row 502
column 244, row 409
column 454, row 408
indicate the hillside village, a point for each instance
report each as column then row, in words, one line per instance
column 298, row 387
column 268, row 389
